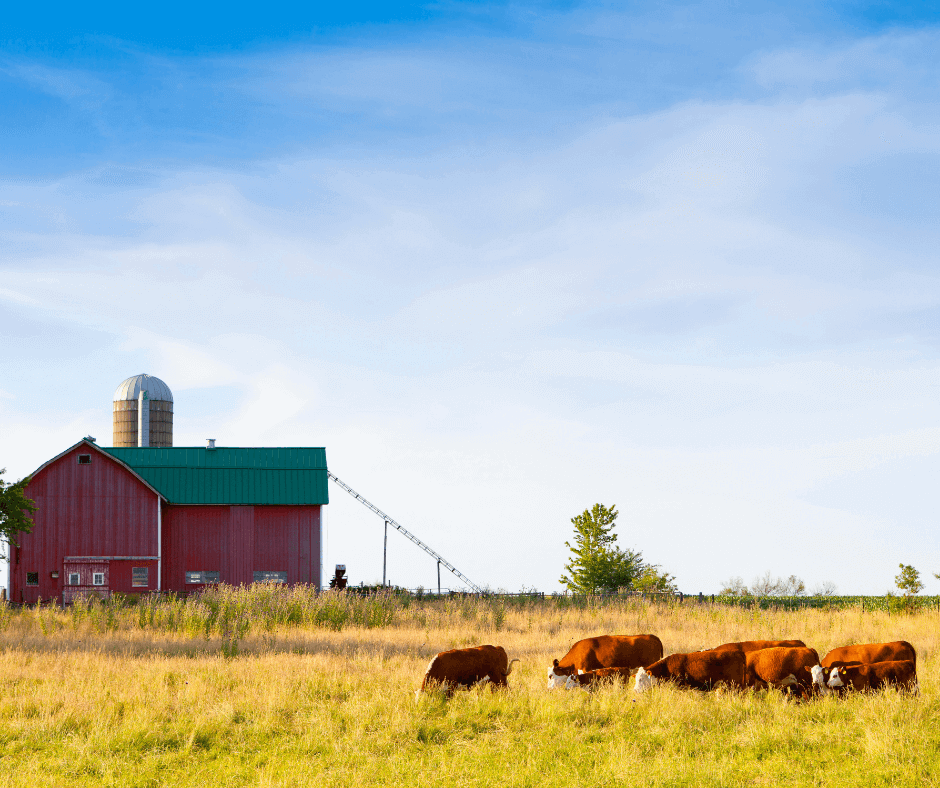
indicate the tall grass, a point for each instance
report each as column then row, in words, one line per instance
column 320, row 691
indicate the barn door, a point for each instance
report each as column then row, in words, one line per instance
column 85, row 576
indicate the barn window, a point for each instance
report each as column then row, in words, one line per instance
column 97, row 578
column 270, row 577
column 75, row 579
column 202, row 577
column 140, row 577
column 84, row 459
column 32, row 578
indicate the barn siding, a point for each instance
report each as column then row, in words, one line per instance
column 288, row 539
column 236, row 541
column 242, row 544
column 195, row 540
column 99, row 509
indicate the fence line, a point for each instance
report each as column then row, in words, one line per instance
column 886, row 603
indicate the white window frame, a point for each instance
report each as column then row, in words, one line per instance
column 202, row 579
column 75, row 579
column 277, row 577
column 97, row 578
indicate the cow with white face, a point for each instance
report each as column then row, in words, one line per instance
column 571, row 683
column 877, row 675
column 605, row 651
column 644, row 681
column 700, row 670
column 819, row 679
column 559, row 680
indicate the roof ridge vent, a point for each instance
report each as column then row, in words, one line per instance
column 210, row 443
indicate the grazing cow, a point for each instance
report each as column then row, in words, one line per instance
column 866, row 653
column 818, row 680
column 781, row 667
column 464, row 667
column 876, row 675
column 605, row 651
column 749, row 646
column 700, row 670
column 592, row 677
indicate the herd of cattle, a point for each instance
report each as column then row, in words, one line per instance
column 785, row 664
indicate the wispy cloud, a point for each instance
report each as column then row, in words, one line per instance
column 716, row 309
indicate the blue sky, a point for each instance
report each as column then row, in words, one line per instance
column 503, row 261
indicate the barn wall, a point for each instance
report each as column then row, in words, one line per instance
column 287, row 538
column 99, row 509
column 237, row 541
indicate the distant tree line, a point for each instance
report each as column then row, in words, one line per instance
column 768, row 585
column 908, row 582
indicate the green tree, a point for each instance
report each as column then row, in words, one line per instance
column 908, row 581
column 597, row 564
column 15, row 509
column 653, row 580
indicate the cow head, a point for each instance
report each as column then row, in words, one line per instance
column 572, row 683
column 819, row 678
column 835, row 678
column 556, row 680
column 644, row 681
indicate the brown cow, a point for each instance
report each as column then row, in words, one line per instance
column 781, row 667
column 591, row 677
column 876, row 675
column 605, row 651
column 699, row 670
column 464, row 667
column 866, row 653
column 749, row 646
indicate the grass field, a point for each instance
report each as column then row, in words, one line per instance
column 264, row 691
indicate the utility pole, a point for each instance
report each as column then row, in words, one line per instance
column 438, row 578
column 385, row 555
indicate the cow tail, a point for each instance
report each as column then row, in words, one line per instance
column 509, row 667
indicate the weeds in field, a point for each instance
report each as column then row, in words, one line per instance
column 282, row 687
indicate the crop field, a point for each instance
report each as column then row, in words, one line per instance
column 281, row 687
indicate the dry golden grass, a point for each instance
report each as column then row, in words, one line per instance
column 85, row 704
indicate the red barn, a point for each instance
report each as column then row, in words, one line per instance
column 143, row 519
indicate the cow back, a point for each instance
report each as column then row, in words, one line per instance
column 877, row 675
column 773, row 665
column 610, row 651
column 702, row 669
column 868, row 653
column 749, row 646
column 466, row 666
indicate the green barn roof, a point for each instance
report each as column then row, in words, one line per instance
column 231, row 476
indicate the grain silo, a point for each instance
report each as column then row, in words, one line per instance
column 143, row 412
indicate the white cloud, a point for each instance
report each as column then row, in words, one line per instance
column 681, row 312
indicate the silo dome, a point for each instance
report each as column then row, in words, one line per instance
column 131, row 388
column 143, row 412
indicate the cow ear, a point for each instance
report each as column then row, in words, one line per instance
column 555, row 663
